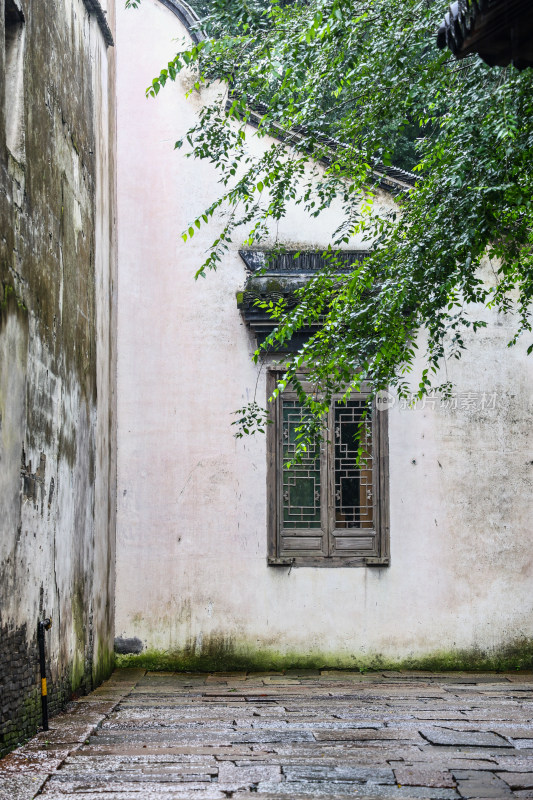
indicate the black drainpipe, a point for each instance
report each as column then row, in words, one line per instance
column 42, row 626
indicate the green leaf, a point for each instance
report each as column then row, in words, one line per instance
column 339, row 92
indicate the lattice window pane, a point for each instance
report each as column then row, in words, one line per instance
column 301, row 482
column 353, row 483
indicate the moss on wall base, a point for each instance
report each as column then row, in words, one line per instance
column 103, row 665
column 515, row 656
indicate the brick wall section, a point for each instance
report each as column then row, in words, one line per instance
column 19, row 690
column 20, row 708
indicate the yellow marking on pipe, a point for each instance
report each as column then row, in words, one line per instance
column 43, row 687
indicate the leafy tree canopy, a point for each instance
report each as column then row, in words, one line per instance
column 339, row 82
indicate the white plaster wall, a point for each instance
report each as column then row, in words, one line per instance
column 192, row 575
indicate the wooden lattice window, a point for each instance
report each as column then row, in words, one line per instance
column 331, row 508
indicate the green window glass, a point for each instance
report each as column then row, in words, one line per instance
column 301, row 482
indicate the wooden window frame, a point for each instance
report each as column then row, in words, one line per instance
column 380, row 557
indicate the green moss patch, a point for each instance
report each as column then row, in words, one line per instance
column 10, row 301
column 517, row 656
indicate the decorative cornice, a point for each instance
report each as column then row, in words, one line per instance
column 260, row 321
column 278, row 276
column 297, row 263
column 94, row 8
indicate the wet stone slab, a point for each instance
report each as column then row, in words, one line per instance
column 472, row 783
column 148, row 792
column 352, row 775
column 248, row 774
column 299, row 734
column 517, row 780
column 23, row 786
column 368, row 790
column 416, row 776
column 455, row 738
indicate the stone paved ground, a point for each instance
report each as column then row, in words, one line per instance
column 300, row 734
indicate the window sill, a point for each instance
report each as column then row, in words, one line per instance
column 355, row 561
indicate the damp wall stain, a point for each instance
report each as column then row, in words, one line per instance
column 57, row 358
column 222, row 653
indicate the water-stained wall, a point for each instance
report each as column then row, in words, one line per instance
column 193, row 585
column 57, row 351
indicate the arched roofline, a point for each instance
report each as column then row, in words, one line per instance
column 186, row 16
column 391, row 179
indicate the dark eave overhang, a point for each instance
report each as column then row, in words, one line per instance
column 294, row 263
column 278, row 276
column 94, row 8
column 391, row 179
column 499, row 31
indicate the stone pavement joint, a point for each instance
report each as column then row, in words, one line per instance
column 299, row 735
column 25, row 771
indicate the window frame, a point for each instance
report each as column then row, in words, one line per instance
column 381, row 552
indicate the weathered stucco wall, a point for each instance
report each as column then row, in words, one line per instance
column 57, row 358
column 193, row 585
